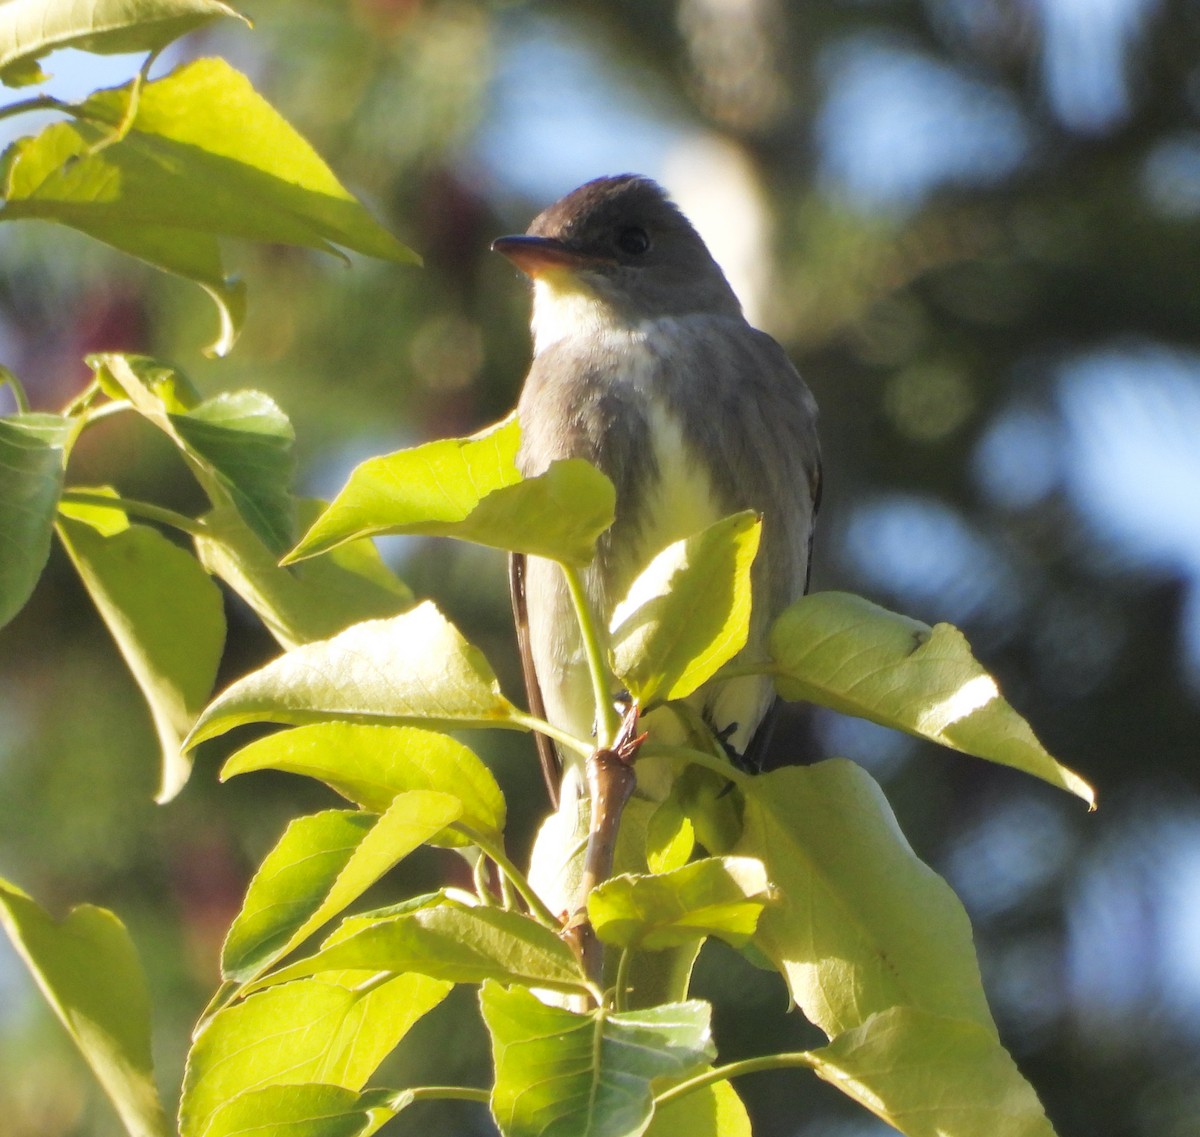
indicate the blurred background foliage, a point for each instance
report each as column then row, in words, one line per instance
column 975, row 224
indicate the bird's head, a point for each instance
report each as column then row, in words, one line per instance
column 619, row 248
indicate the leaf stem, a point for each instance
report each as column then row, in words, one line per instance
column 446, row 1093
column 8, row 379
column 608, row 721
column 495, row 850
column 480, row 874
column 36, row 103
column 736, row 1070
column 541, row 726
column 720, row 766
column 143, row 509
column 621, row 986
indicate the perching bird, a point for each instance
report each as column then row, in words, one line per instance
column 644, row 365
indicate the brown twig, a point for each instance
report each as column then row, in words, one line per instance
column 611, row 781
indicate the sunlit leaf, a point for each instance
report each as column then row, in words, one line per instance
column 323, row 863
column 309, row 601
column 860, row 924
column 31, row 28
column 88, row 970
column 155, row 389
column 670, row 837
column 846, row 653
column 370, row 765
column 310, row 1110
column 688, row 612
column 312, row 1031
column 719, row 896
column 31, row 479
column 470, row 488
column 933, row 1077
column 205, row 156
column 713, row 1111
column 454, row 942
column 561, row 1072
column 413, row 669
column 165, row 613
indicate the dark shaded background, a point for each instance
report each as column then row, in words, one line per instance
column 974, row 223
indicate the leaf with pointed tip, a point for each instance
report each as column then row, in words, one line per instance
column 244, row 441
column 470, row 488
column 450, row 941
column 859, row 924
column 238, row 444
column 933, row 1077
column 88, row 970
column 718, row 896
column 370, row 765
column 163, row 610
column 414, row 669
column 307, row 602
column 558, row 1072
column 844, row 652
column 313, row 1031
column 205, row 156
column 32, row 448
column 323, row 863
column 30, row 29
column 309, row 1110
column 688, row 612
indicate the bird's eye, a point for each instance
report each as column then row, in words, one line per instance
column 633, row 241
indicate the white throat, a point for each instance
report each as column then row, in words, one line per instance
column 562, row 310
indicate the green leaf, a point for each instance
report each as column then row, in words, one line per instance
column 323, row 863
column 31, row 28
column 244, row 441
column 370, row 765
column 720, row 896
column 312, row 1031
column 712, row 1111
column 589, row 1075
column 311, row 601
column 32, row 449
column 238, row 445
column 846, row 653
column 670, row 837
column 156, row 390
column 688, row 612
column 311, row 1110
column 470, row 488
column 933, row 1077
column 165, row 613
column 88, row 970
column 860, row 923
column 411, row 669
column 453, row 942
column 205, row 156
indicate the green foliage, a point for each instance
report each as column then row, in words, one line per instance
column 31, row 28
column 718, row 896
column 804, row 867
column 88, row 970
column 687, row 613
column 470, row 488
column 593, row 1074
column 844, row 652
column 32, row 450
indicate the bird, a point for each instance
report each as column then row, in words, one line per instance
column 644, row 365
